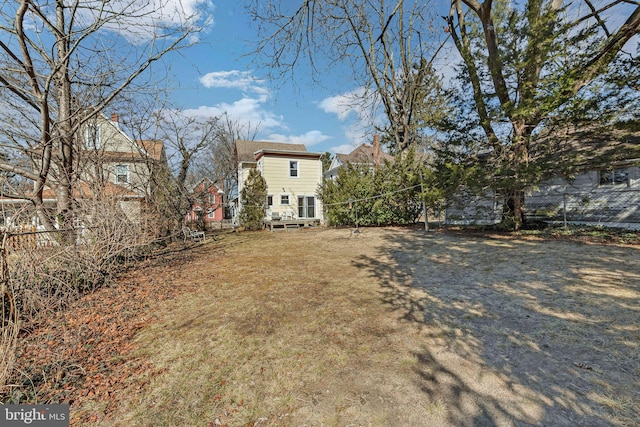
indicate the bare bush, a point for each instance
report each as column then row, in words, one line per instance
column 50, row 274
column 46, row 272
column 8, row 319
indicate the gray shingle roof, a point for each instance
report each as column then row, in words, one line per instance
column 245, row 149
column 595, row 147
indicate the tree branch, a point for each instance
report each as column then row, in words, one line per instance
column 462, row 43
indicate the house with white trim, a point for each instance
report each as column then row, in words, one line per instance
column 292, row 174
column 110, row 155
column 208, row 205
column 371, row 156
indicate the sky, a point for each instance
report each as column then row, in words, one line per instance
column 217, row 76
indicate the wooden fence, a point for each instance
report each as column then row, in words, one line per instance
column 21, row 238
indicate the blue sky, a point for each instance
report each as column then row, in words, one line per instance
column 217, row 76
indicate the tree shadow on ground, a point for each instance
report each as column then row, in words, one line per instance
column 518, row 332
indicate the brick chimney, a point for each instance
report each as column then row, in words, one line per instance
column 114, row 117
column 376, row 151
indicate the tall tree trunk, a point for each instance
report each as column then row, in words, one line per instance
column 65, row 129
column 513, row 209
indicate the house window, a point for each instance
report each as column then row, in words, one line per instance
column 306, row 207
column 614, row 177
column 211, row 214
column 93, row 136
column 293, row 168
column 212, row 199
column 284, row 199
column 122, row 174
column 269, row 200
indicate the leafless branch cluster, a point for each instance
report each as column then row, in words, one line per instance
column 40, row 275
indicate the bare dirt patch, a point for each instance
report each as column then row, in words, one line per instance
column 392, row 327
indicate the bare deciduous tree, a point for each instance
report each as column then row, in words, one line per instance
column 525, row 62
column 61, row 64
column 185, row 137
column 217, row 160
column 388, row 47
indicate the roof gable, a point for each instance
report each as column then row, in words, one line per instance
column 363, row 154
column 336, row 161
column 207, row 186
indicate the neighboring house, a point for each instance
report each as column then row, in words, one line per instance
column 110, row 155
column 368, row 155
column 110, row 166
column 466, row 208
column 112, row 159
column 208, row 203
column 604, row 190
column 293, row 176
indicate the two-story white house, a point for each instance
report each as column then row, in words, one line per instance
column 292, row 174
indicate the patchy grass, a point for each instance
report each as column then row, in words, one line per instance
column 585, row 234
column 392, row 327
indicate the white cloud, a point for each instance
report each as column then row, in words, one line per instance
column 246, row 111
column 309, row 139
column 358, row 134
column 139, row 21
column 346, row 104
column 358, row 111
column 336, row 105
column 342, row 149
column 235, row 79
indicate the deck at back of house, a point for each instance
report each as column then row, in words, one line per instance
column 290, row 224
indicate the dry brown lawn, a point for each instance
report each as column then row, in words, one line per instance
column 394, row 327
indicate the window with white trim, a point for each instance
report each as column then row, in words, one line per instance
column 293, row 168
column 122, row 174
column 306, row 207
column 269, row 200
column 284, row 199
column 614, row 177
column 93, row 136
column 212, row 199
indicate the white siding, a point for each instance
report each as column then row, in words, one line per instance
column 583, row 199
column 102, row 161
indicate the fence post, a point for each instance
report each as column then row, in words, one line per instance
column 424, row 207
column 425, row 212
column 564, row 209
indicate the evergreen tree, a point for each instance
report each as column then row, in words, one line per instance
column 325, row 158
column 253, row 197
column 529, row 70
column 390, row 195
